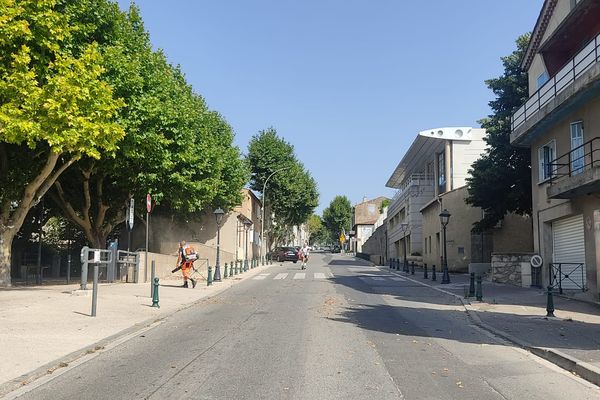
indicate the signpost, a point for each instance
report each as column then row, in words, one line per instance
column 129, row 222
column 148, row 209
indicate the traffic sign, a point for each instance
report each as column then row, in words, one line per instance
column 536, row 261
column 148, row 202
column 342, row 238
column 131, row 213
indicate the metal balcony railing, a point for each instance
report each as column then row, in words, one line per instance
column 413, row 179
column 581, row 158
column 582, row 61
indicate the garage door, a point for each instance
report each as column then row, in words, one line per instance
column 569, row 253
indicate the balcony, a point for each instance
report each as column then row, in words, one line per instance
column 576, row 173
column 578, row 75
column 414, row 180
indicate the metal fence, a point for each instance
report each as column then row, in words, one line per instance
column 576, row 161
column 567, row 276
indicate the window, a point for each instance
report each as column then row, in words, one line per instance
column 461, row 251
column 577, row 151
column 543, row 78
column 546, row 155
column 441, row 173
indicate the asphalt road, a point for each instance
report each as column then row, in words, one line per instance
column 339, row 330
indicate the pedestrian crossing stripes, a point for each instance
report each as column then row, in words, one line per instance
column 370, row 278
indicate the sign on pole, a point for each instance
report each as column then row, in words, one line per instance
column 131, row 213
column 148, row 202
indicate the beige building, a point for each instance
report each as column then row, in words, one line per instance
column 437, row 162
column 364, row 217
column 239, row 226
column 560, row 123
column 432, row 177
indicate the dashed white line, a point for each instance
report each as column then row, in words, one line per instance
column 319, row 275
column 282, row 275
column 300, row 275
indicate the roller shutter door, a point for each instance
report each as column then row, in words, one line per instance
column 569, row 251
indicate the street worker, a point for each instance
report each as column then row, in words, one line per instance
column 185, row 260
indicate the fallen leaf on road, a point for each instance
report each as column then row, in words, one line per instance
column 459, row 384
column 446, row 370
column 433, row 373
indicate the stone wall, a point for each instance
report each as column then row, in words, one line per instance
column 512, row 268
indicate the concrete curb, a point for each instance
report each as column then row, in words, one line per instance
column 63, row 362
column 585, row 370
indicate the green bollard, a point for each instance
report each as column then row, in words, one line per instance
column 472, row 284
column 155, row 293
column 550, row 303
column 225, row 272
column 479, row 289
column 209, row 278
column 236, row 267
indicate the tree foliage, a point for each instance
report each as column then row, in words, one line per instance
column 500, row 181
column 174, row 147
column 54, row 109
column 337, row 217
column 292, row 192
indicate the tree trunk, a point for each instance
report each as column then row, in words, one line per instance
column 6, row 239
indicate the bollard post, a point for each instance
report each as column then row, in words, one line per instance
column 225, row 272
column 472, row 284
column 95, row 291
column 68, row 268
column 479, row 290
column 433, row 276
column 152, row 276
column 209, row 277
column 237, row 271
column 550, row 303
column 412, row 268
column 84, row 268
column 425, row 276
column 155, row 285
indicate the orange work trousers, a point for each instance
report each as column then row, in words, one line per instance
column 186, row 270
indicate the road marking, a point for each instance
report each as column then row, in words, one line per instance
column 377, row 278
column 261, row 277
column 398, row 279
column 319, row 275
column 282, row 275
column 300, row 275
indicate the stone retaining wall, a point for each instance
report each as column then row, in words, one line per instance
column 512, row 268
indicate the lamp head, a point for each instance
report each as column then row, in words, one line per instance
column 219, row 215
column 444, row 217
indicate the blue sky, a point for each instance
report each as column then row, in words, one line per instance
column 348, row 82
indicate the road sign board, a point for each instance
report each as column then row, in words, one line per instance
column 131, row 213
column 536, row 261
column 148, row 202
column 342, row 238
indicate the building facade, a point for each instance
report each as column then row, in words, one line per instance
column 364, row 217
column 240, row 232
column 560, row 123
column 437, row 162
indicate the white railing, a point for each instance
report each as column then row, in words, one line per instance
column 416, row 179
column 582, row 61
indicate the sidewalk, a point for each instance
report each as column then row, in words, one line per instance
column 44, row 326
column 571, row 340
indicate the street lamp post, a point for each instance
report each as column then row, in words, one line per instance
column 219, row 217
column 262, row 218
column 404, row 227
column 247, row 225
column 444, row 218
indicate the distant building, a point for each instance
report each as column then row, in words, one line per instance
column 364, row 217
column 432, row 177
column 560, row 123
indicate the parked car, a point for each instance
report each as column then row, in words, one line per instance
column 286, row 254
